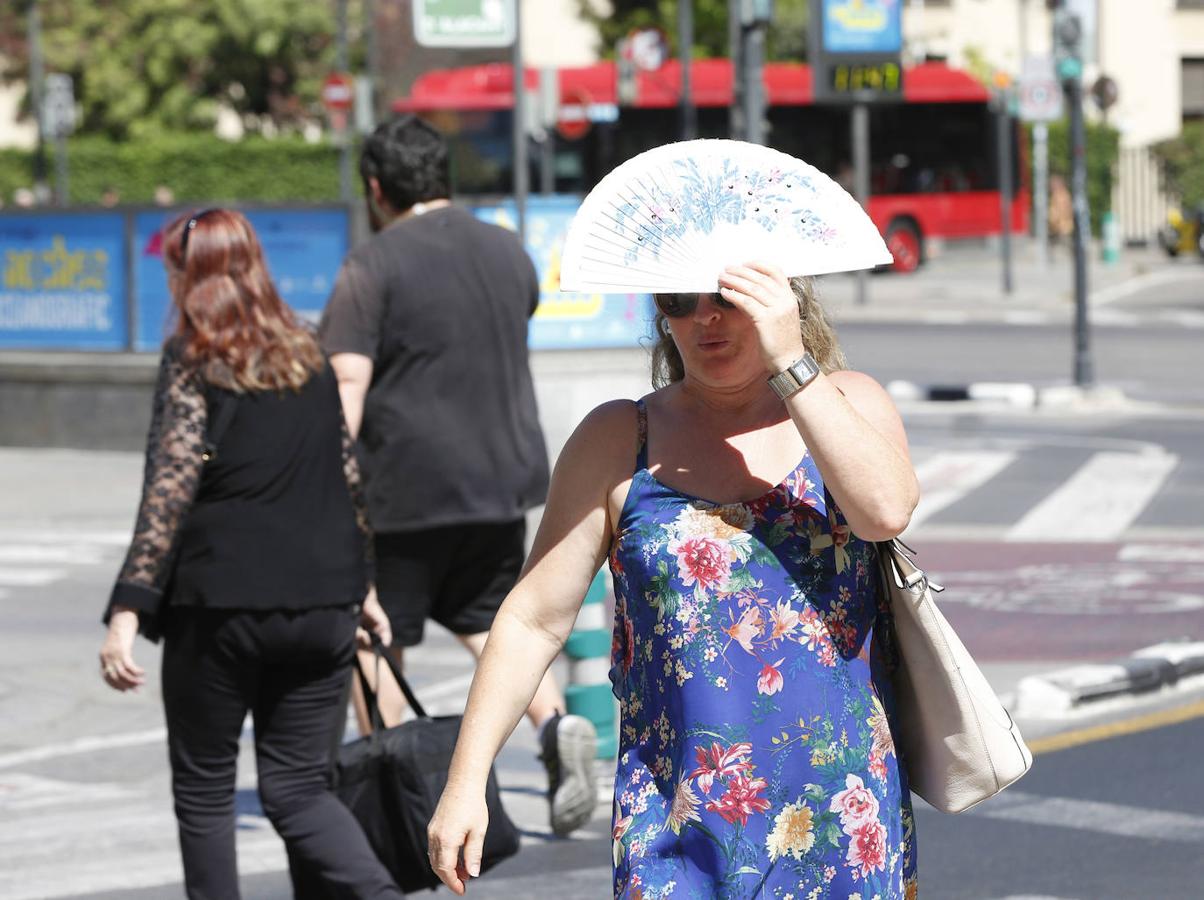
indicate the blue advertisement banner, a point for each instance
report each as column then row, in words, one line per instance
column 62, row 282
column 303, row 248
column 863, row 26
column 570, row 320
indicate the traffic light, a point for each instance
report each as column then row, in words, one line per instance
column 1067, row 41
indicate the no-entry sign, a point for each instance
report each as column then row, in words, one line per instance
column 338, row 92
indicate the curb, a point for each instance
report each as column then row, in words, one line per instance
column 1015, row 395
column 1147, row 670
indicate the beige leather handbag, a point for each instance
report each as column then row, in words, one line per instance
column 959, row 744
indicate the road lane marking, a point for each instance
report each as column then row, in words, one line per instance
column 947, row 477
column 75, row 554
column 1117, row 819
column 89, row 744
column 1099, row 501
column 1160, row 719
column 30, row 577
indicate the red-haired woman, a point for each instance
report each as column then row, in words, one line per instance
column 249, row 559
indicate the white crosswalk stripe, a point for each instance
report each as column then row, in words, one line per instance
column 947, row 477
column 37, row 557
column 1100, row 501
column 975, row 494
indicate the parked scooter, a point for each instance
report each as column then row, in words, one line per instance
column 1183, row 231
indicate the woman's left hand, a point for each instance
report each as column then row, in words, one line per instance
column 117, row 666
column 373, row 620
column 763, row 293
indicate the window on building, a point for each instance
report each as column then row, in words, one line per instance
column 1193, row 88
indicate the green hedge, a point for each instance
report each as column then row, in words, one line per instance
column 1182, row 161
column 197, row 167
column 1103, row 151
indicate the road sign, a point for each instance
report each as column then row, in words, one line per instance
column 573, row 121
column 58, row 107
column 464, row 23
column 338, row 92
column 1040, row 93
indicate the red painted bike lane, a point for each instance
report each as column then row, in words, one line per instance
column 1016, row 602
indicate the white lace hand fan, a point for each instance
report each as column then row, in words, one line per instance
column 671, row 219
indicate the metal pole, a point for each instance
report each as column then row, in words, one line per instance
column 861, row 179
column 1084, row 375
column 735, row 35
column 549, row 101
column 754, row 89
column 62, row 195
column 372, row 56
column 685, row 56
column 518, row 132
column 1041, row 191
column 37, row 74
column 342, row 63
column 1004, row 131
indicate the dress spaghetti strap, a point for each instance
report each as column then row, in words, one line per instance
column 641, row 456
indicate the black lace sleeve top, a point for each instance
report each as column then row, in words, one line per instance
column 275, row 519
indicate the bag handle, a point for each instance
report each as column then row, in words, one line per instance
column 378, row 650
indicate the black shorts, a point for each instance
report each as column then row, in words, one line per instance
column 457, row 575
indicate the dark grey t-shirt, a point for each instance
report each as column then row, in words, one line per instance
column 450, row 435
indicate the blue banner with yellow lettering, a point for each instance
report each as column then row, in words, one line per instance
column 863, row 26
column 62, row 281
column 570, row 320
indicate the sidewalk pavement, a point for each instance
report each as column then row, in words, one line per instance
column 964, row 283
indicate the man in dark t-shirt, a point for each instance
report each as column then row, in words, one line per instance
column 427, row 334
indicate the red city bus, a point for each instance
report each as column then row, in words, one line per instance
column 933, row 170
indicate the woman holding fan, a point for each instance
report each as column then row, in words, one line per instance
column 737, row 505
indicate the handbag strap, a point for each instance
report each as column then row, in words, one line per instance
column 897, row 563
column 378, row 650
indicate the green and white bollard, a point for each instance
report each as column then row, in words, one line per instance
column 1110, row 235
column 588, row 648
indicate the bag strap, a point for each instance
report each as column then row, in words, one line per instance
column 897, row 563
column 370, row 697
column 219, row 425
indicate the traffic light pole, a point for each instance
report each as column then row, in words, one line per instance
column 342, row 64
column 685, row 56
column 1084, row 375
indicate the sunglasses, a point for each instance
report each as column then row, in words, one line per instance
column 187, row 232
column 674, row 306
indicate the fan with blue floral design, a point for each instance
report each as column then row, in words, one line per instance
column 672, row 218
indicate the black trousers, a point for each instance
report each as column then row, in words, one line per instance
column 291, row 670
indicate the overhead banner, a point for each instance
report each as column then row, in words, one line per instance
column 303, row 249
column 62, row 281
column 570, row 320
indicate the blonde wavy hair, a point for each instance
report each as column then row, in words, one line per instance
column 819, row 337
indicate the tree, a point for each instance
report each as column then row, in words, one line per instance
column 787, row 38
column 143, row 66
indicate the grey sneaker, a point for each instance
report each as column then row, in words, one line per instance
column 569, row 745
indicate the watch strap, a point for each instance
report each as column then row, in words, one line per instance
column 795, row 376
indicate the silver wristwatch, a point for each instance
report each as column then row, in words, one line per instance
column 795, row 376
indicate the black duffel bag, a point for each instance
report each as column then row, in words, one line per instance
column 391, row 781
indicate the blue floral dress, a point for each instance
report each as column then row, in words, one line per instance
column 755, row 752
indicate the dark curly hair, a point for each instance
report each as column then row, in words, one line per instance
column 409, row 158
